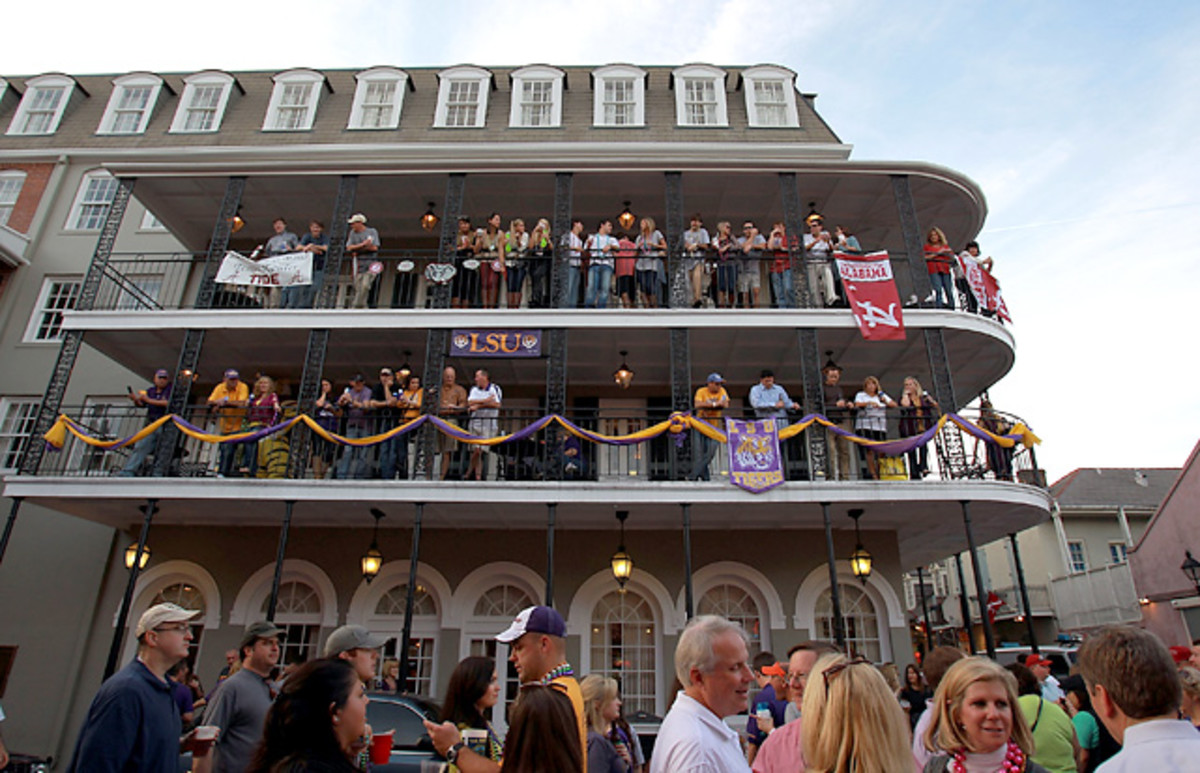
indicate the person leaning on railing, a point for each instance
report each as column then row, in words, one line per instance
column 696, row 242
column 155, row 400
column 362, row 243
column 541, row 252
column 939, row 257
column 871, row 423
column 516, row 245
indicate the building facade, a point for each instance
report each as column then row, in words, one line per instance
column 136, row 186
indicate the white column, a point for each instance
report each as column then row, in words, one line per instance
column 1125, row 527
column 1056, row 514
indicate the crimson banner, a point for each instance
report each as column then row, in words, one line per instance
column 871, row 291
column 984, row 287
column 754, row 460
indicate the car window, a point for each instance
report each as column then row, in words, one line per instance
column 384, row 716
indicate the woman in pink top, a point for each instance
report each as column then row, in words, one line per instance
column 626, row 261
column 263, row 411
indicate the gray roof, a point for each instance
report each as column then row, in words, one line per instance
column 1114, row 487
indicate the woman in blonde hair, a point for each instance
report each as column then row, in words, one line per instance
column 852, row 721
column 975, row 726
column 607, row 752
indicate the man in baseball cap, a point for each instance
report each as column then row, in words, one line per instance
column 710, row 400
column 1040, row 667
column 538, row 648
column 133, row 722
column 358, row 647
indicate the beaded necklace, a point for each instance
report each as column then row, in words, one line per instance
column 561, row 670
column 1014, row 760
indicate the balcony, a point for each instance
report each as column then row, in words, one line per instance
column 1101, row 596
column 1039, row 602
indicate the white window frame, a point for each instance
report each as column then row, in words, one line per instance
column 114, row 110
column 11, row 183
column 40, row 310
column 1076, row 562
column 717, row 76
column 535, row 74
column 14, row 439
column 82, row 201
column 462, row 74
column 28, row 106
column 365, row 80
column 616, row 72
column 1118, row 553
column 316, row 84
column 756, row 75
column 150, row 222
column 194, row 83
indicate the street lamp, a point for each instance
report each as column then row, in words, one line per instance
column 429, row 220
column 131, row 555
column 372, row 560
column 1191, row 567
column 622, row 562
column 405, row 369
column 626, row 218
column 623, row 375
column 860, row 559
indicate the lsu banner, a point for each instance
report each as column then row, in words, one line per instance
column 496, row 343
column 754, row 461
column 294, row 268
column 871, row 291
column 984, row 287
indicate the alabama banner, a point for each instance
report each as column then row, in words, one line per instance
column 984, row 287
column 871, row 291
column 294, row 268
column 754, row 461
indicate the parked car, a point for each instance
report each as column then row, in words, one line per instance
column 1061, row 658
column 412, row 749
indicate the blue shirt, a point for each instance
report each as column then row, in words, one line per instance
column 763, row 401
column 778, row 709
column 132, row 725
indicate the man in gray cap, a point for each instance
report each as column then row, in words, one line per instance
column 133, row 722
column 240, row 706
column 710, row 400
column 358, row 647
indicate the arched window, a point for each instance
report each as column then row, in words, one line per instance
column 499, row 605
column 502, row 601
column 390, row 608
column 861, row 619
column 623, row 647
column 298, row 613
column 736, row 604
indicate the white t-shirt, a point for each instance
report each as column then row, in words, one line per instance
column 692, row 739
column 575, row 249
column 596, row 254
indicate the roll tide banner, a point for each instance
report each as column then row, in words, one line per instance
column 496, row 343
column 754, row 461
column 984, row 287
column 871, row 290
column 294, row 268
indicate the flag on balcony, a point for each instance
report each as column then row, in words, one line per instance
column 754, row 461
column 294, row 268
column 871, row 290
column 994, row 604
column 984, row 287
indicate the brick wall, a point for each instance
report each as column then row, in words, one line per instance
column 36, row 178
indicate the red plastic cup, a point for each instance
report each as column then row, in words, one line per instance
column 381, row 747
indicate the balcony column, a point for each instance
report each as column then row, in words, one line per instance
column 273, row 600
column 406, row 634
column 793, row 219
column 1122, row 520
column 193, row 339
column 677, row 278
column 980, row 593
column 437, row 341
column 556, row 397
column 300, row 442
column 689, row 607
column 114, row 649
column 72, row 340
column 560, row 268
column 925, row 609
column 1033, row 645
column 835, row 589
column 814, row 402
column 935, row 341
column 8, row 526
column 681, row 399
column 964, row 603
column 551, row 518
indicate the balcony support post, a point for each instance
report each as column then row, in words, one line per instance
column 681, row 400
column 551, row 518
column 72, row 340
column 677, row 278
column 814, row 402
column 556, row 399
column 925, row 609
column 325, row 296
column 273, row 600
column 964, row 603
column 406, row 635
column 1028, row 610
column 8, row 526
column 560, row 268
column 689, row 607
column 835, row 588
column 989, row 639
column 793, row 220
column 114, row 649
column 193, row 339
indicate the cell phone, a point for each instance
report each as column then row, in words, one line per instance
column 129, row 389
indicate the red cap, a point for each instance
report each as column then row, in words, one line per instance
column 1035, row 660
column 1180, row 654
column 775, row 669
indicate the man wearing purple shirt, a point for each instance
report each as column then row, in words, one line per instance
column 355, row 403
column 155, row 400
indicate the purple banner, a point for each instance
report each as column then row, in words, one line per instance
column 496, row 343
column 754, row 461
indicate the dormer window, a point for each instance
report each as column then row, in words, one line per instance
column 770, row 96
column 43, row 105
column 619, row 96
column 700, row 96
column 378, row 99
column 132, row 101
column 462, row 97
column 536, row 97
column 202, row 105
column 294, row 101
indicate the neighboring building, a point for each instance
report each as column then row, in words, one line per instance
column 1171, row 599
column 135, row 187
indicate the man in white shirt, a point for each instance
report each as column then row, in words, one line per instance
column 712, row 661
column 1135, row 692
column 1041, row 669
column 600, row 247
column 483, row 403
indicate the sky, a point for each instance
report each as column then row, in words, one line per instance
column 1078, row 119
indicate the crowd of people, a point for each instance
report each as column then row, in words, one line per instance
column 509, row 264
column 1132, row 705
